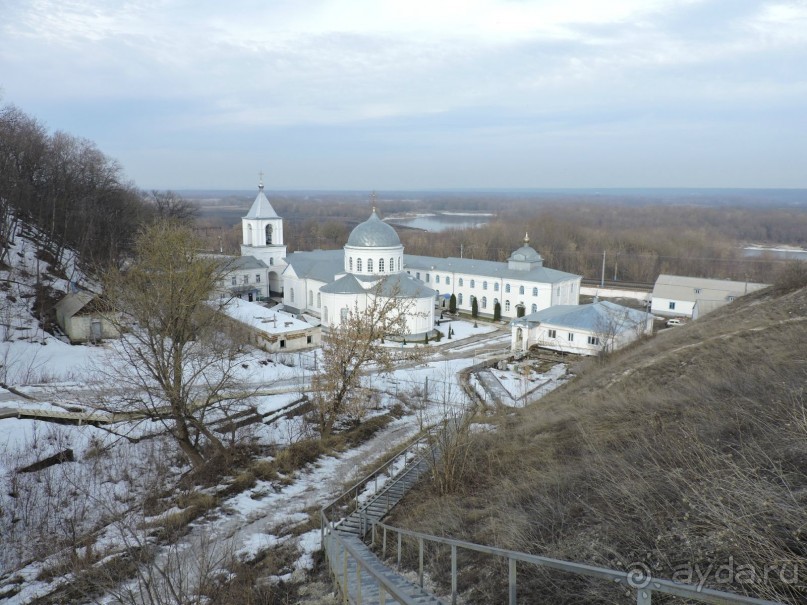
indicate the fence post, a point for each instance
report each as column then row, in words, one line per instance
column 511, row 581
column 453, row 574
column 420, row 561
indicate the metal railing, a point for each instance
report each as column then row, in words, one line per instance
column 644, row 585
column 338, row 554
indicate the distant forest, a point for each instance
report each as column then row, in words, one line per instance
column 642, row 235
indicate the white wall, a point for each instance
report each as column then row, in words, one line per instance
column 661, row 306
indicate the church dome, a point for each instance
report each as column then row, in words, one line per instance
column 373, row 233
column 526, row 253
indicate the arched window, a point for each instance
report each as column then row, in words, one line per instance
column 507, row 288
column 448, row 281
column 484, row 285
column 496, row 287
column 521, row 289
column 268, row 235
column 484, row 302
column 350, row 263
column 392, row 264
column 535, row 291
column 249, row 235
column 291, row 294
column 369, row 265
column 358, row 265
column 436, row 279
column 319, row 299
column 310, row 298
column 459, row 299
column 399, row 263
column 380, row 265
column 271, row 261
column 473, row 283
column 460, row 282
column 507, row 305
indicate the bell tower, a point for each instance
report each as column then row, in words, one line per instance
column 262, row 236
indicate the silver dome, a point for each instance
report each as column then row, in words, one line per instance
column 526, row 253
column 373, row 233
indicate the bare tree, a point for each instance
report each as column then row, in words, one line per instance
column 353, row 347
column 177, row 364
column 173, row 207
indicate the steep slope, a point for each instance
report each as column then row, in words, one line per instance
column 685, row 455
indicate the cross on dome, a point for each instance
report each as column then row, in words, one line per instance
column 260, row 180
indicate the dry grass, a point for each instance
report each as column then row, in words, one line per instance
column 688, row 450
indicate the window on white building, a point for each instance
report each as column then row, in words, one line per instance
column 291, row 294
column 369, row 265
column 552, row 333
column 358, row 265
column 672, row 306
column 507, row 305
column 417, row 274
column 496, row 287
column 319, row 299
column 392, row 265
column 459, row 299
column 233, row 280
column 271, row 261
column 484, row 285
column 257, row 278
column 473, row 283
column 507, row 288
column 460, row 282
column 436, row 279
column 593, row 340
column 484, row 302
column 448, row 281
column 534, row 308
column 380, row 265
column 571, row 337
column 310, row 298
column 399, row 263
column 427, row 278
column 535, row 291
column 350, row 263
column 521, row 289
column 246, row 279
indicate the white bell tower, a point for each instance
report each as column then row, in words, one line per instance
column 262, row 237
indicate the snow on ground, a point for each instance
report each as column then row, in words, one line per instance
column 525, row 385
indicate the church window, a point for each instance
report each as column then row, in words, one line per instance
column 369, row 265
column 271, row 261
column 459, row 298
column 246, row 279
column 484, row 302
column 496, row 287
column 291, row 294
column 427, row 278
column 521, row 289
column 257, row 278
column 507, row 288
column 473, row 283
column 417, row 274
column 534, row 308
column 249, row 235
column 507, row 305
column 399, row 263
column 310, row 298
column 484, row 285
column 392, row 264
column 268, row 235
column 380, row 265
column 535, row 291
column 436, row 279
column 448, row 281
column 358, row 265
column 319, row 299
column 460, row 282
column 350, row 264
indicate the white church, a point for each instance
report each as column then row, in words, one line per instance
column 327, row 284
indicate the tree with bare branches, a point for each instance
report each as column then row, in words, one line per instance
column 177, row 364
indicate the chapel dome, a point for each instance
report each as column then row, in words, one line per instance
column 373, row 233
column 526, row 253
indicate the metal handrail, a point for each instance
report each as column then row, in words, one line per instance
column 644, row 585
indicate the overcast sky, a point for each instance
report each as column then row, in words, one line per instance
column 413, row 94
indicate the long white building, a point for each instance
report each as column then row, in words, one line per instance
column 329, row 283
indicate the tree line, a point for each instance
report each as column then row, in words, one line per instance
column 75, row 195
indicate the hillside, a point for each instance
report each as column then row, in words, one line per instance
column 685, row 454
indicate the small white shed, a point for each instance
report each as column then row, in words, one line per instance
column 83, row 319
column 273, row 330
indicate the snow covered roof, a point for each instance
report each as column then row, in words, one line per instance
column 487, row 268
column 263, row 319
column 401, row 285
column 74, row 302
column 592, row 317
column 244, row 263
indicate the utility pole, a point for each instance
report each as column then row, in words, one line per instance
column 615, row 261
column 460, row 250
column 602, row 279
